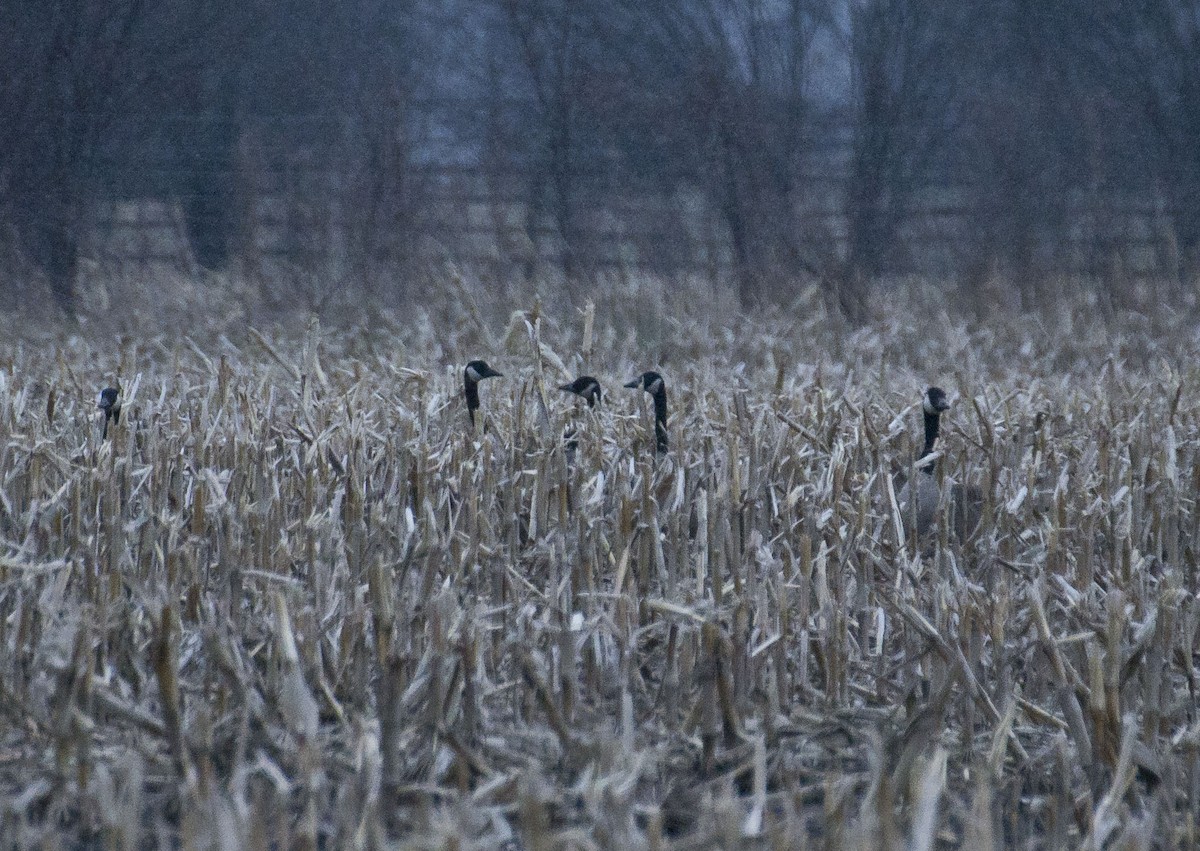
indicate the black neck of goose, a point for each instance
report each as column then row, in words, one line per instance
column 660, row 419
column 471, row 391
column 933, row 425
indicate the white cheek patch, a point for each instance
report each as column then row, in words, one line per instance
column 931, row 408
column 655, row 386
column 473, row 373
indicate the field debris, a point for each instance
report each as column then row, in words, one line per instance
column 293, row 601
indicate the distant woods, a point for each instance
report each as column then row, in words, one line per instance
column 767, row 144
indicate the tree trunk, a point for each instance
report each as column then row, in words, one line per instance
column 47, row 227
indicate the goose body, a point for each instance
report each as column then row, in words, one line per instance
column 653, row 384
column 924, row 488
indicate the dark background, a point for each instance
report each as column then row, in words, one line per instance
column 363, row 144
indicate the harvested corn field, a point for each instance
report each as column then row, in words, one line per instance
column 295, row 600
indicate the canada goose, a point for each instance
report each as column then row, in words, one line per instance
column 110, row 403
column 587, row 387
column 476, row 371
column 924, row 485
column 653, row 384
column 965, row 501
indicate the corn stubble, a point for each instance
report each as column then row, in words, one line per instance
column 294, row 601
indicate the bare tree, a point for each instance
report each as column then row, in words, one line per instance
column 365, row 69
column 552, row 42
column 87, row 77
column 905, row 111
column 66, row 66
column 384, row 193
column 723, row 99
column 1147, row 53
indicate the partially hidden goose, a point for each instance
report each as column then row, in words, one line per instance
column 476, row 371
column 653, row 384
column 587, row 388
column 965, row 500
column 110, row 403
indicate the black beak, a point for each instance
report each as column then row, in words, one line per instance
column 633, row 385
column 566, row 388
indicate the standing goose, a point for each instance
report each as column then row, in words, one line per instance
column 965, row 501
column 476, row 371
column 653, row 384
column 110, row 403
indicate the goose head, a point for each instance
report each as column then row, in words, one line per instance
column 587, row 387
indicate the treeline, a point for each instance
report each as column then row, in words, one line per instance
column 1015, row 113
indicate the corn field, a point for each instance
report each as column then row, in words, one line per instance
column 295, row 601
